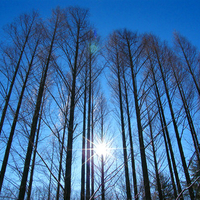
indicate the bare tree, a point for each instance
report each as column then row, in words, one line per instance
column 115, row 60
column 27, row 23
column 57, row 19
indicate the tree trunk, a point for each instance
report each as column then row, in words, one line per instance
column 67, row 190
column 83, row 142
column 92, row 131
column 140, row 132
column 49, row 188
column 128, row 190
column 187, row 176
column 165, row 128
column 5, row 160
column 88, row 133
column 130, row 139
column 34, row 156
column 14, row 77
column 61, row 151
column 102, row 159
column 35, row 120
column 154, row 156
column 167, row 152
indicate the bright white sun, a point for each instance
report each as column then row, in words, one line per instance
column 101, row 149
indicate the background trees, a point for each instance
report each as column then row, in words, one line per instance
column 56, row 112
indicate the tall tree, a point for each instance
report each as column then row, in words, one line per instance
column 77, row 28
column 132, row 50
column 130, row 134
column 26, row 23
column 6, row 156
column 162, row 116
column 84, row 139
column 57, row 18
column 150, row 119
column 116, row 62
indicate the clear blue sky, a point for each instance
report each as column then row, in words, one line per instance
column 160, row 17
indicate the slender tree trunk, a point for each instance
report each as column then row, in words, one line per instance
column 83, row 142
column 14, row 77
column 61, row 151
column 34, row 156
column 140, row 132
column 187, row 176
column 67, row 190
column 131, row 140
column 102, row 159
column 167, row 152
column 92, row 131
column 193, row 133
column 190, row 122
column 35, row 120
column 128, row 190
column 154, row 157
column 49, row 188
column 166, row 129
column 6, row 156
column 88, row 133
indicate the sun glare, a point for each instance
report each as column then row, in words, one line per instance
column 102, row 149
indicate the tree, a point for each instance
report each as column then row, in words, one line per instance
column 132, row 50
column 116, row 62
column 27, row 23
column 130, row 135
column 57, row 19
column 77, row 28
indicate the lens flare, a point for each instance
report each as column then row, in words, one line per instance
column 102, row 149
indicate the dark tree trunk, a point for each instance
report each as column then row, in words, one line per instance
column 88, row 133
column 187, row 176
column 5, row 160
column 49, row 188
column 154, row 156
column 130, row 139
column 193, row 132
column 167, row 152
column 102, row 159
column 139, row 125
column 61, row 150
column 35, row 120
column 165, row 128
column 34, row 157
column 14, row 77
column 67, row 190
column 83, row 142
column 128, row 190
column 92, row 131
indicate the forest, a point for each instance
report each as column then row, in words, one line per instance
column 86, row 118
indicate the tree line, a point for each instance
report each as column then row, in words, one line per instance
column 55, row 112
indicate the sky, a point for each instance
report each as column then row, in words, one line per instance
column 159, row 17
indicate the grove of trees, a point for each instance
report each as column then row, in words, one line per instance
column 82, row 118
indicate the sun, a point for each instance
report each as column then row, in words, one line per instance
column 102, row 149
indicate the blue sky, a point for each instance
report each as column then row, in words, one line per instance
column 160, row 17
